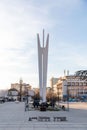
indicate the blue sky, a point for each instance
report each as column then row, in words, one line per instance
column 21, row 20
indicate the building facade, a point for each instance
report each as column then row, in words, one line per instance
column 13, row 94
column 23, row 89
column 24, row 86
column 70, row 85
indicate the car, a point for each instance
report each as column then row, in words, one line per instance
column 2, row 100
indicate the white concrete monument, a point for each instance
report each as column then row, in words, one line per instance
column 42, row 65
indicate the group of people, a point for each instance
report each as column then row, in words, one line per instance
column 37, row 103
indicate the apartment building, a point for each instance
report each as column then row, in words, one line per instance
column 70, row 85
column 24, row 86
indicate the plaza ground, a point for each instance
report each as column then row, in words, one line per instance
column 14, row 117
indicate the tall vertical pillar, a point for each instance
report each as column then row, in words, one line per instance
column 42, row 65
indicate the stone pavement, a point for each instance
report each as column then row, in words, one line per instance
column 13, row 117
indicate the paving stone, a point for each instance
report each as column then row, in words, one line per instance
column 13, row 117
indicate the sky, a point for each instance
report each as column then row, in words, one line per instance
column 21, row 20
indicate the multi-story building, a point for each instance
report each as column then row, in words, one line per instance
column 24, row 86
column 53, row 81
column 13, row 94
column 70, row 85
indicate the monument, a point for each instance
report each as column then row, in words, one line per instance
column 42, row 65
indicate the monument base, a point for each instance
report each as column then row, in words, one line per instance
column 43, row 106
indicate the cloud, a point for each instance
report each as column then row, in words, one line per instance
column 20, row 21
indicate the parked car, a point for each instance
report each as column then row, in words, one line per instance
column 2, row 100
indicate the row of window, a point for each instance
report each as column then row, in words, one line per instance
column 76, row 84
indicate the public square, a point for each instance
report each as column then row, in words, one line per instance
column 14, row 117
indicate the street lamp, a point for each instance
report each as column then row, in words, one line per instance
column 52, row 98
column 58, row 94
column 21, row 89
column 27, row 95
column 67, row 97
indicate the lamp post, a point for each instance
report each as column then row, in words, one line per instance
column 52, row 94
column 27, row 95
column 67, row 97
column 58, row 94
column 21, row 89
